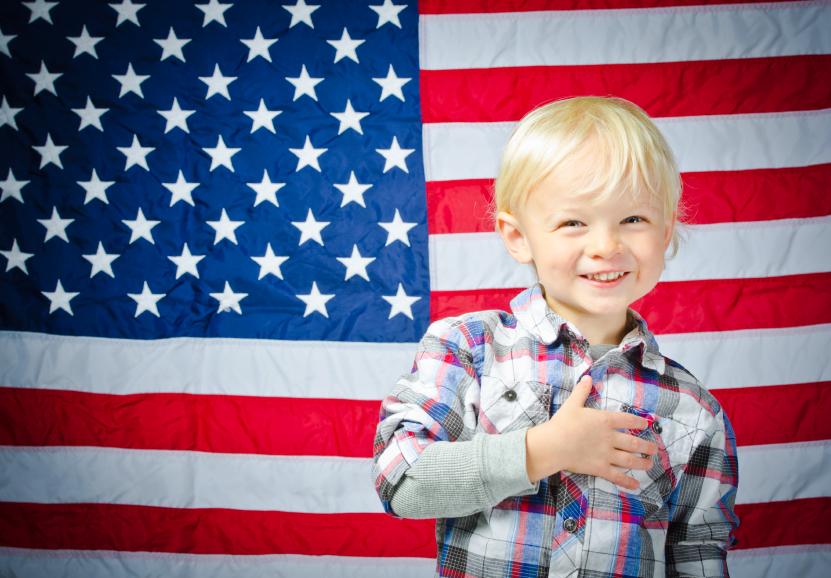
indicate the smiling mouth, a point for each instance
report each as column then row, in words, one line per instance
column 605, row 277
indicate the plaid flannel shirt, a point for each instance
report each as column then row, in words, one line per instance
column 680, row 521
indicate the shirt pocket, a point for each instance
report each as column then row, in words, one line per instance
column 511, row 405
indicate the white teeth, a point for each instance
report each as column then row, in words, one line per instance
column 605, row 276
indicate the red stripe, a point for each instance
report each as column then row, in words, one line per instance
column 30, row 417
column 211, row 531
column 792, row 523
column 692, row 306
column 492, row 6
column 238, row 532
column 778, row 414
column 712, row 197
column 701, row 87
column 205, row 423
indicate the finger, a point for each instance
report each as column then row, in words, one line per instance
column 630, row 461
column 620, row 420
column 635, row 445
column 581, row 391
column 618, row 478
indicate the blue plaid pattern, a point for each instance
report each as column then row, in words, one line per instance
column 680, row 522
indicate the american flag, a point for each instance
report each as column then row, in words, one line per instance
column 226, row 225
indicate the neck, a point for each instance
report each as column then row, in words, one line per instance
column 609, row 329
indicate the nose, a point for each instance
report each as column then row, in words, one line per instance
column 604, row 242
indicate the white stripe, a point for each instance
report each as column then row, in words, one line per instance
column 750, row 358
column 305, row 369
column 465, row 261
column 623, row 36
column 175, row 479
column 781, row 472
column 812, row 561
column 108, row 564
column 454, row 151
column 171, row 479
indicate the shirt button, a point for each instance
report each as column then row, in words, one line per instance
column 569, row 525
column 656, row 427
column 509, row 395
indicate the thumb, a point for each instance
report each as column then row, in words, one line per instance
column 581, row 391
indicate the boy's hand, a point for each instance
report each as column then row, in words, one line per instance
column 584, row 441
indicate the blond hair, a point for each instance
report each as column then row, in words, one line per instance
column 630, row 146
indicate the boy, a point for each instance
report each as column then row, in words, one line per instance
column 610, row 459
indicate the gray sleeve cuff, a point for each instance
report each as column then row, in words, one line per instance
column 453, row 479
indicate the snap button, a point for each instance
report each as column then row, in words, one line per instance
column 569, row 525
column 656, row 427
column 509, row 395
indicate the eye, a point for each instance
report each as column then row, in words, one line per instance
column 634, row 219
column 572, row 224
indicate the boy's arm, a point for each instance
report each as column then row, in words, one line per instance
column 451, row 480
column 702, row 520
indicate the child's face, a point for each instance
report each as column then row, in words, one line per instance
column 569, row 237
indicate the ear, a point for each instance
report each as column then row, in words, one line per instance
column 668, row 229
column 514, row 238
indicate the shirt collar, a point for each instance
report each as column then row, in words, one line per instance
column 535, row 316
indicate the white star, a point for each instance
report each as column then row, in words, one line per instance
column 349, row 118
column 315, row 301
column 346, row 46
column 11, row 188
column 304, row 84
column 388, row 12
column 270, row 263
column 172, row 46
column 96, row 188
column 7, row 114
column 136, row 154
column 127, row 11
column 214, row 11
column 85, row 43
column 50, row 153
column 400, row 302
column 356, row 265
column 391, row 85
column 45, row 80
column 228, row 300
column 4, row 43
column 266, row 190
column 176, row 117
column 40, row 9
column 60, row 299
column 146, row 300
column 131, row 82
column 102, row 262
column 90, row 116
column 55, row 226
column 17, row 258
column 221, row 155
column 310, row 229
column 141, row 228
column 186, row 263
column 395, row 156
column 301, row 12
column 353, row 191
column 258, row 46
column 224, row 228
column 181, row 190
column 217, row 84
column 307, row 156
column 397, row 229
column 262, row 117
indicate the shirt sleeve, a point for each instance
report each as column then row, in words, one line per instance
column 451, row 480
column 702, row 520
column 437, row 402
